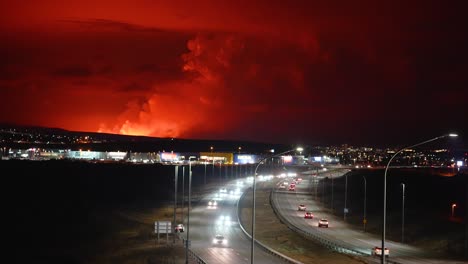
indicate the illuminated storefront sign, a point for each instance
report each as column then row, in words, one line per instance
column 287, row 159
column 245, row 159
column 168, row 156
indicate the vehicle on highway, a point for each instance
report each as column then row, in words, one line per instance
column 212, row 204
column 219, row 240
column 323, row 222
column 179, row 228
column 308, row 215
column 223, row 190
column 301, row 207
column 292, row 187
column 377, row 251
column 282, row 187
column 299, row 180
column 224, row 220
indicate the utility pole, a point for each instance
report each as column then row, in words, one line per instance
column 332, row 208
column 345, row 198
column 403, row 215
column 175, row 199
column 183, row 190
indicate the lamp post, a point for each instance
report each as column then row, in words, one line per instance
column 403, row 214
column 332, row 193
column 175, row 198
column 220, row 172
column 212, row 160
column 364, row 220
column 345, row 210
column 205, row 173
column 253, row 198
column 188, row 213
column 382, row 256
column 183, row 192
column 453, row 209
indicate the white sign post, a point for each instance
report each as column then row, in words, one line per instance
column 163, row 227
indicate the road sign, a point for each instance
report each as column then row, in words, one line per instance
column 162, row 227
column 346, row 210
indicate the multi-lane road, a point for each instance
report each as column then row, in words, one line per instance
column 208, row 221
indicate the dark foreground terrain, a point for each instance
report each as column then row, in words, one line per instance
column 80, row 212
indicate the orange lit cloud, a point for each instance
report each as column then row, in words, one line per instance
column 260, row 70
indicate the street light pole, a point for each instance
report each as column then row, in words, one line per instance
column 345, row 211
column 382, row 256
column 364, row 220
column 332, row 193
column 175, row 198
column 188, row 213
column 205, row 173
column 453, row 209
column 253, row 200
column 403, row 214
column 183, row 192
column 220, row 173
column 212, row 160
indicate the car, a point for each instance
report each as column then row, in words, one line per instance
column 224, row 220
column 323, row 222
column 179, row 228
column 223, row 190
column 377, row 251
column 308, row 215
column 212, row 204
column 299, row 180
column 292, row 187
column 282, row 187
column 219, row 240
column 301, row 207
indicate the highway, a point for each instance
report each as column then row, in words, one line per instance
column 205, row 224
column 339, row 234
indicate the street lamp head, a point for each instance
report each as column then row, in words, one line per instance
column 453, row 135
column 299, row 149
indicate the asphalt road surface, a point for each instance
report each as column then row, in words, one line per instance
column 206, row 222
column 287, row 202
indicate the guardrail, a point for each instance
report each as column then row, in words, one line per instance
column 261, row 245
column 194, row 256
column 341, row 247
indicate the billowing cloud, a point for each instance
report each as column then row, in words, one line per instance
column 257, row 70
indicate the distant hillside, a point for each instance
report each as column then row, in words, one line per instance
column 17, row 136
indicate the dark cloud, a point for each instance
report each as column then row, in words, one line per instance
column 106, row 24
column 73, row 71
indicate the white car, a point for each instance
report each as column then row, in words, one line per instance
column 219, row 240
column 224, row 220
column 301, row 207
column 282, row 187
column 212, row 204
column 323, row 223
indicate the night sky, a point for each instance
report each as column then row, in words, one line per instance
column 361, row 72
